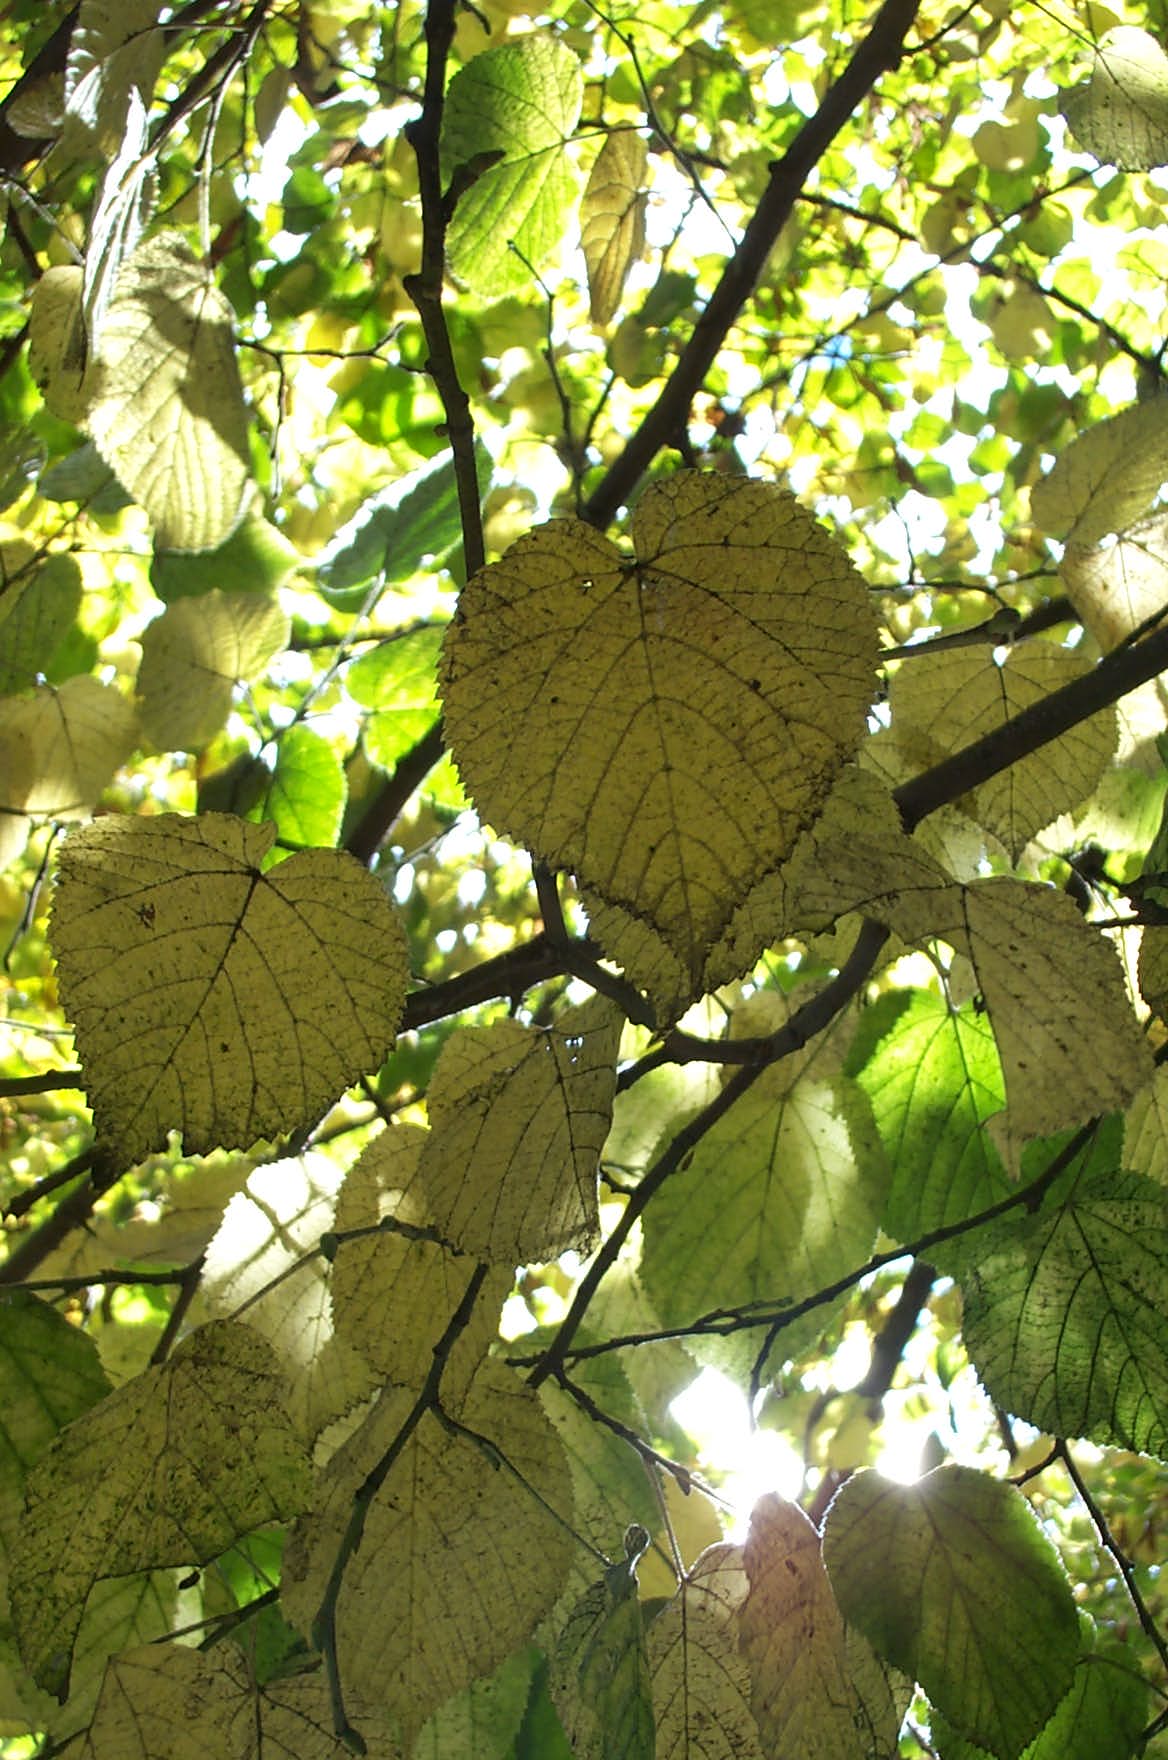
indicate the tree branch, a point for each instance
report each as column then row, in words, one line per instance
column 370, row 831
column 880, row 51
column 425, row 288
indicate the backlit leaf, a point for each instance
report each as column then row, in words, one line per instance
column 1064, row 1314
column 269, row 1227
column 954, row 1583
column 521, row 102
column 1107, row 478
column 165, row 406
column 793, row 1638
column 36, row 610
column 115, row 53
column 59, row 748
column 305, row 798
column 211, row 998
column 395, row 1283
column 948, row 700
column 1117, row 588
column 459, row 1556
column 255, row 559
column 194, row 655
column 600, row 1669
column 779, row 1198
column 95, row 1511
column 56, row 342
column 701, row 1682
column 727, row 670
column 934, row 1078
column 612, row 219
column 1121, row 113
column 518, row 1118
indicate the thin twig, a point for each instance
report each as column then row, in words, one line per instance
column 25, row 1201
column 1122, row 1562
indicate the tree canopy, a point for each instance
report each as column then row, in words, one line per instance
column 584, row 880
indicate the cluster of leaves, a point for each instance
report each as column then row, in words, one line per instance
column 765, row 952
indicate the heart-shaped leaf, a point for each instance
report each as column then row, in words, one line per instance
column 209, row 997
column 667, row 724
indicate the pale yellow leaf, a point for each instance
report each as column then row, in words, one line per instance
column 1145, row 1131
column 1107, row 478
column 195, row 654
column 1053, row 986
column 169, row 1702
column 1153, row 968
column 60, row 746
column 56, row 341
column 120, row 1613
column 393, row 1290
column 165, row 405
column 793, row 1637
column 518, row 1118
column 116, row 49
column 723, row 678
column 701, row 1681
column 945, row 701
column 612, row 219
column 1121, row 113
column 209, row 997
column 1117, row 589
column 121, row 1489
column 460, row 1555
column 268, row 1228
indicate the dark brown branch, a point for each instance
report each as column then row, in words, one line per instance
column 1116, row 674
column 70, row 1213
column 51, row 1081
column 373, row 827
column 23, row 1202
column 880, row 51
column 425, row 288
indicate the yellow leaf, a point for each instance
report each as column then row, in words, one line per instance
column 701, row 1682
column 211, row 998
column 612, row 219
column 518, row 1119
column 194, row 655
column 460, row 1555
column 56, row 342
column 60, row 746
column 1117, row 589
column 1106, row 479
column 165, row 405
column 945, row 701
column 393, row 1290
column 665, row 726
column 94, row 1510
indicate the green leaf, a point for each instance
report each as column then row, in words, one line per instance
column 394, row 535
column 214, row 999
column 518, row 1118
column 1121, row 113
column 36, row 611
column 1064, row 1314
column 521, row 102
column 736, row 757
column 481, row 1722
column 305, row 798
column 781, row 1197
column 1103, row 1714
column 164, row 403
column 194, row 656
column 954, row 1583
column 600, row 1669
column 255, row 559
column 89, row 1515
column 933, row 1078
column 50, row 1373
